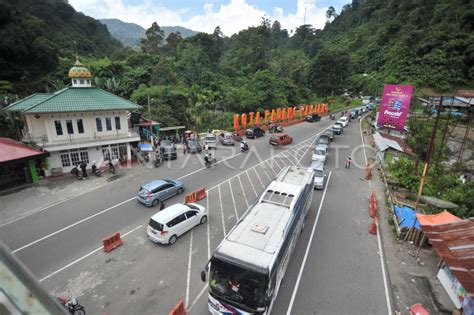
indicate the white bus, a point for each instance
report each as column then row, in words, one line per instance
column 247, row 267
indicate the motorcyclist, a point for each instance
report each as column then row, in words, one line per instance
column 207, row 159
column 243, row 146
column 348, row 162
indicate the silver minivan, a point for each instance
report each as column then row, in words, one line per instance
column 211, row 140
column 167, row 225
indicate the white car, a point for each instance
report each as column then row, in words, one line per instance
column 343, row 121
column 167, row 225
column 211, row 140
column 319, row 174
column 320, row 153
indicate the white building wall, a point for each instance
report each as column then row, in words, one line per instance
column 42, row 127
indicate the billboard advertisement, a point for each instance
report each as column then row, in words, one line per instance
column 394, row 106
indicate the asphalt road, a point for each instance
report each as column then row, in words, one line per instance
column 341, row 274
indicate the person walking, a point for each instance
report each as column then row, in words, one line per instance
column 206, row 148
column 84, row 169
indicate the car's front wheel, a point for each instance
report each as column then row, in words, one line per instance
column 180, row 191
column 203, row 219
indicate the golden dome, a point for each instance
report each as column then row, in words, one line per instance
column 79, row 71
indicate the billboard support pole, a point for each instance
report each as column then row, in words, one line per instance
column 428, row 156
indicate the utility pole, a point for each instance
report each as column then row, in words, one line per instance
column 304, row 19
column 428, row 155
column 149, row 115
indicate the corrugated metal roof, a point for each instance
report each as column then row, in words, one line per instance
column 385, row 141
column 454, row 242
column 28, row 101
column 13, row 150
column 74, row 99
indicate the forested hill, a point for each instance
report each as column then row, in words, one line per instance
column 34, row 34
column 130, row 33
column 425, row 42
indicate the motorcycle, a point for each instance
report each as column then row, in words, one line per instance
column 77, row 172
column 72, row 305
column 96, row 171
column 244, row 149
column 209, row 161
column 279, row 129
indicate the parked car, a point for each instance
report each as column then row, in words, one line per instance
column 320, row 153
column 169, row 149
column 330, row 133
column 337, row 128
column 313, row 118
column 211, row 140
column 236, row 137
column 254, row 132
column 343, row 121
column 194, row 146
column 319, row 174
column 167, row 225
column 280, row 139
column 155, row 192
column 323, row 139
column 226, row 138
column 371, row 106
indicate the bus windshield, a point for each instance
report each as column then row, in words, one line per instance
column 236, row 285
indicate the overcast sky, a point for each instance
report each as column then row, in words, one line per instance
column 231, row 15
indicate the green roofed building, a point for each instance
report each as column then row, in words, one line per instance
column 78, row 123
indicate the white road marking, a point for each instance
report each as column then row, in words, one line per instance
column 208, row 232
column 222, row 209
column 253, row 187
column 233, row 202
column 72, row 225
column 203, row 168
column 265, row 172
column 277, row 164
column 243, row 191
column 189, row 269
column 196, row 299
column 300, row 273
column 84, row 257
column 379, row 240
column 258, row 176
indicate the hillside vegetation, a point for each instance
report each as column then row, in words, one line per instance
column 130, row 33
column 201, row 80
column 36, row 34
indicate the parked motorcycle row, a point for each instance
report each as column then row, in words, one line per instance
column 80, row 170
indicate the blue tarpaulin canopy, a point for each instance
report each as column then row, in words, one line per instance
column 406, row 217
column 145, row 147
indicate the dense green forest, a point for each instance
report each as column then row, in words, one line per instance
column 130, row 33
column 201, row 80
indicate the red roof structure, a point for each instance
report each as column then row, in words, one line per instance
column 454, row 242
column 13, row 150
column 435, row 219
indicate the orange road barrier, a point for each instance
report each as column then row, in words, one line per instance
column 373, row 228
column 368, row 171
column 111, row 242
column 373, row 205
column 178, row 309
column 190, row 197
column 201, row 194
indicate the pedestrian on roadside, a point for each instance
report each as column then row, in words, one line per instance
column 206, row 148
column 84, row 169
column 185, row 146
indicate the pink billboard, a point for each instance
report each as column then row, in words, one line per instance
column 394, row 107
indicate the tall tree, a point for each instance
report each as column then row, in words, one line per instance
column 153, row 39
column 328, row 72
